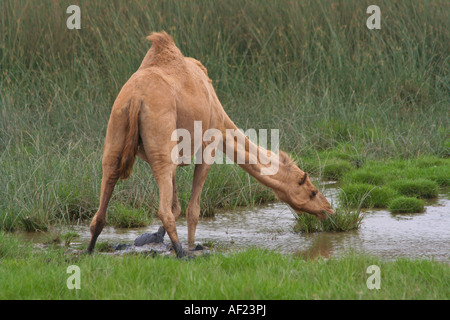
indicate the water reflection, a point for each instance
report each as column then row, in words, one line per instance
column 322, row 246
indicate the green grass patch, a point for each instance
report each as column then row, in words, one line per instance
column 68, row 237
column 122, row 216
column 366, row 195
column 344, row 219
column 334, row 169
column 12, row 248
column 420, row 188
column 246, row 275
column 380, row 197
column 365, row 175
column 381, row 172
column 438, row 174
column 431, row 161
column 377, row 183
column 407, row 205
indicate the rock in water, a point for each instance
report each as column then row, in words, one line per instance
column 156, row 237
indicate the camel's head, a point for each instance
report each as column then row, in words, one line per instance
column 297, row 190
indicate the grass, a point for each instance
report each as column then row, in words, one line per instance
column 370, row 196
column 124, row 217
column 439, row 174
column 371, row 183
column 406, row 205
column 250, row 274
column 344, row 219
column 68, row 237
column 336, row 169
column 420, row 188
column 365, row 175
column 365, row 195
column 311, row 69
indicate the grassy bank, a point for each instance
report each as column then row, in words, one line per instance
column 399, row 185
column 378, row 184
column 311, row 69
column 252, row 274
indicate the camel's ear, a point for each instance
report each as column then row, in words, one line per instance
column 303, row 179
column 284, row 158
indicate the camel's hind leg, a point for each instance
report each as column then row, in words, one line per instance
column 164, row 177
column 109, row 180
column 176, row 207
column 156, row 140
column 114, row 145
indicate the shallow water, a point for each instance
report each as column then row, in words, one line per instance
column 423, row 235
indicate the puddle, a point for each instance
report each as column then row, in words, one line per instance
column 424, row 235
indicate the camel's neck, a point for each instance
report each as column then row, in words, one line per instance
column 257, row 161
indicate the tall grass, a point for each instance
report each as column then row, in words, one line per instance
column 311, row 69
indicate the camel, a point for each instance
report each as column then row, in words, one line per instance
column 168, row 92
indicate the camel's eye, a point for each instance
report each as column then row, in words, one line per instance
column 313, row 194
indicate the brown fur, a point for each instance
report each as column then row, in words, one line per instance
column 168, row 92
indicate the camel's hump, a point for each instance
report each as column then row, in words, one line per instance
column 161, row 40
column 163, row 52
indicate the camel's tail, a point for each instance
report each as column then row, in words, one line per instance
column 131, row 140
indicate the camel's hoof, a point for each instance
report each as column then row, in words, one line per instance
column 86, row 252
column 183, row 254
column 179, row 250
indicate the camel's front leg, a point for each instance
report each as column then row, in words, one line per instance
column 193, row 208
